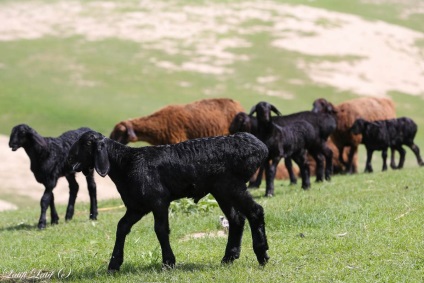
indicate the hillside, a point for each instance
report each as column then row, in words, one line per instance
column 67, row 64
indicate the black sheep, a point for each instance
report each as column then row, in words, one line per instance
column 149, row 178
column 322, row 126
column 243, row 122
column 345, row 113
column 288, row 142
column 48, row 158
column 384, row 134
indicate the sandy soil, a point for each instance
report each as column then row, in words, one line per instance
column 365, row 57
column 17, row 179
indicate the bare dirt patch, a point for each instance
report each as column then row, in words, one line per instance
column 201, row 235
column 4, row 205
column 17, row 178
column 387, row 57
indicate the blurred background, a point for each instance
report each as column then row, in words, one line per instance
column 67, row 64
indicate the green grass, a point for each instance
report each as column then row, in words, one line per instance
column 362, row 228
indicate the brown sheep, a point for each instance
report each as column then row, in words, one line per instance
column 368, row 108
column 176, row 123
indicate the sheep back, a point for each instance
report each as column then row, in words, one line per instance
column 176, row 123
column 367, row 108
column 383, row 133
column 48, row 162
column 408, row 128
column 192, row 168
column 296, row 136
column 240, row 154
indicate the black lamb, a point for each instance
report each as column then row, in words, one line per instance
column 290, row 141
column 324, row 123
column 384, row 134
column 243, row 122
column 48, row 158
column 319, row 126
column 149, row 178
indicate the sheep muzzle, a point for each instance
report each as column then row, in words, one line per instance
column 14, row 147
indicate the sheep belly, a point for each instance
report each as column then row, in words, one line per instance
column 190, row 181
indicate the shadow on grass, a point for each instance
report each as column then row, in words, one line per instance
column 137, row 269
column 157, row 267
column 20, row 227
column 259, row 193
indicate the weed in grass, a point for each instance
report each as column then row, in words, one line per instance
column 188, row 206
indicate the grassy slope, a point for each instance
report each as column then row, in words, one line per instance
column 58, row 84
column 357, row 228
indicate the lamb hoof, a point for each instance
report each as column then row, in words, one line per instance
column 41, row 225
column 112, row 271
column 115, row 264
column 263, row 259
column 269, row 195
column 112, row 268
column 168, row 265
column 228, row 259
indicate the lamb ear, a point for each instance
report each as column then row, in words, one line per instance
column 330, row 108
column 39, row 140
column 275, row 110
column 101, row 159
column 253, row 110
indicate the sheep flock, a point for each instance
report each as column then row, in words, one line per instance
column 213, row 146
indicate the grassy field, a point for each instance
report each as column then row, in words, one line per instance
column 362, row 228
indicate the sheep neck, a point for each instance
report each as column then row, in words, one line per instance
column 151, row 129
column 35, row 151
column 265, row 130
column 117, row 155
